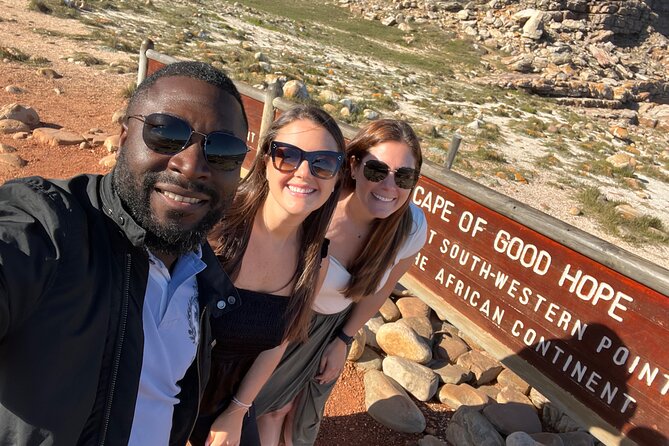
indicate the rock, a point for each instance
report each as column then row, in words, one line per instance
column 462, row 395
column 330, row 108
column 533, row 28
column 421, row 325
column 295, row 89
column 548, row 439
column 450, row 347
column 575, row 211
column 603, row 57
column 468, row 427
column 389, row 404
column 491, row 391
column 400, row 340
column 627, row 212
column 55, row 137
column 418, row 380
column 633, row 183
column 430, row 440
column 538, row 400
column 9, row 126
column 26, row 115
column 405, row 27
column 344, row 112
column 620, row 133
column 12, row 160
column 413, row 307
column 389, row 311
column 463, row 14
column 108, row 161
column 484, row 367
column 657, row 115
column 507, row 378
column 523, row 16
column 4, row 148
column 369, row 360
column 358, row 346
column 370, row 114
column 389, row 21
column 556, row 420
column 453, row 374
column 512, row 417
column 111, row 143
column 523, row 64
column 371, row 327
column 621, row 160
column 510, row 394
column 520, row 439
column 328, row 96
column 13, row 89
column 48, row 73
column 260, row 57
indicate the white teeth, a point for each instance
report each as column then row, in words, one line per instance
column 300, row 190
column 379, row 197
column 181, row 198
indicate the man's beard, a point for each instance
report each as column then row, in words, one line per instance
column 162, row 237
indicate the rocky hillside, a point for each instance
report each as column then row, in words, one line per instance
column 562, row 104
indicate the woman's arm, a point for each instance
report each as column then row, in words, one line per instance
column 227, row 428
column 334, row 356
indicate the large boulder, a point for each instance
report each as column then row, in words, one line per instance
column 295, row 90
column 418, row 380
column 483, row 366
column 400, row 340
column 412, row 307
column 11, row 126
column 456, row 396
column 469, row 428
column 513, row 417
column 25, row 114
column 390, row 405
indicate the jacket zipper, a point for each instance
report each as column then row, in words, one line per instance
column 199, row 378
column 117, row 353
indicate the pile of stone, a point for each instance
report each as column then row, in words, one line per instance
column 592, row 53
column 23, row 122
column 407, row 353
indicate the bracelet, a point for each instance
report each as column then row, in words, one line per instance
column 246, row 407
column 346, row 339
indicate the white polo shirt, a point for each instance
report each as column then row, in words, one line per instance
column 171, row 335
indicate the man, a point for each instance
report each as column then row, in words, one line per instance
column 106, row 284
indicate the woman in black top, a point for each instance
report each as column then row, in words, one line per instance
column 270, row 243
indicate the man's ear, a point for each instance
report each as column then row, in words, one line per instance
column 124, row 135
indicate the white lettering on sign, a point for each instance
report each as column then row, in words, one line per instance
column 527, row 254
column 471, row 296
column 435, row 204
column 251, row 136
column 588, row 288
column 420, row 261
column 470, row 224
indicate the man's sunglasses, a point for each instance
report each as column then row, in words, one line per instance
column 323, row 164
column 169, row 135
column 375, row 171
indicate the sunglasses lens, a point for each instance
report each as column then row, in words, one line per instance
column 324, row 165
column 406, row 178
column 165, row 134
column 225, row 151
column 375, row 171
column 286, row 159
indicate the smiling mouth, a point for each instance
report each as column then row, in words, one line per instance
column 301, row 190
column 181, row 198
column 382, row 198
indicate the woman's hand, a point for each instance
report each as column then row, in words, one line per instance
column 332, row 361
column 227, row 429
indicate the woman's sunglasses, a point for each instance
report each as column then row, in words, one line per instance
column 323, row 164
column 169, row 135
column 375, row 171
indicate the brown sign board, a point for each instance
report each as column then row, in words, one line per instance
column 592, row 337
column 253, row 107
column 596, row 333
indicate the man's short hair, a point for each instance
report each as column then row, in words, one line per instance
column 196, row 70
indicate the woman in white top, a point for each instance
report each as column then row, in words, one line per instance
column 374, row 235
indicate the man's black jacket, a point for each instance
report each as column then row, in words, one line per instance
column 73, row 275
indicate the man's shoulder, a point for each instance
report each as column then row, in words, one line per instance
column 48, row 199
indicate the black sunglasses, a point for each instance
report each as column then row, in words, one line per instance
column 169, row 135
column 375, row 171
column 323, row 164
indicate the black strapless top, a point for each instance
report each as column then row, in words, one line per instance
column 241, row 335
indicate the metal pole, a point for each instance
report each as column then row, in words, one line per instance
column 147, row 44
column 452, row 151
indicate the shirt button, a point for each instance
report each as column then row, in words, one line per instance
column 232, row 300
column 220, row 304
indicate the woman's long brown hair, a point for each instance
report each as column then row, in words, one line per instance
column 388, row 234
column 231, row 236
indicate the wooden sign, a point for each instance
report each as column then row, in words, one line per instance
column 596, row 333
